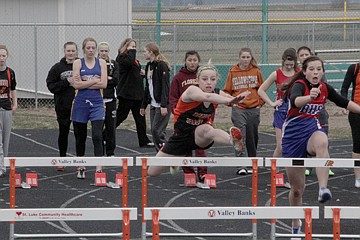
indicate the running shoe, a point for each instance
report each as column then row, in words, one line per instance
column 296, row 230
column 307, row 172
column 60, row 168
column 80, row 173
column 202, row 185
column 236, row 138
column 174, row 170
column 242, row 171
column 2, row 173
column 324, row 195
column 331, row 173
column 357, row 183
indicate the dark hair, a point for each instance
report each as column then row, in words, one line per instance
column 125, row 44
column 304, row 48
column 300, row 75
column 192, row 52
column 70, row 43
column 290, row 55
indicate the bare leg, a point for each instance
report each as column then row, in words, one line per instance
column 296, row 178
column 206, row 134
column 356, row 170
column 157, row 170
column 278, row 149
column 318, row 146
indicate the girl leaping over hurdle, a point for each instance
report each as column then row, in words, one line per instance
column 192, row 129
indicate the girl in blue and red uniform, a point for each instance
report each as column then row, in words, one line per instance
column 191, row 115
column 302, row 132
column 89, row 78
column 288, row 69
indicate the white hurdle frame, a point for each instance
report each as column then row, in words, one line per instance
column 71, row 214
column 196, row 162
column 14, row 162
column 235, row 213
column 305, row 163
column 340, row 212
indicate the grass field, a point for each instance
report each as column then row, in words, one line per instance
column 45, row 118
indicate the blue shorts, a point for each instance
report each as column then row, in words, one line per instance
column 84, row 110
column 280, row 115
column 296, row 135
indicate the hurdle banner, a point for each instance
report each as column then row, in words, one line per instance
column 221, row 213
column 341, row 212
column 253, row 162
column 71, row 214
column 12, row 163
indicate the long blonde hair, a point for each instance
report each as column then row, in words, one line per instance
column 154, row 48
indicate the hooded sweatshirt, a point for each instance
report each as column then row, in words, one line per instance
column 58, row 84
column 131, row 83
column 181, row 81
column 239, row 81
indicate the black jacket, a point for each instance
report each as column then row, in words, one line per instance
column 161, row 83
column 113, row 71
column 58, row 84
column 131, row 83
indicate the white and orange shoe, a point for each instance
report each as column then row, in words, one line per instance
column 236, row 138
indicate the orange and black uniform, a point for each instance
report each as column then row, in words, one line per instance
column 187, row 116
column 352, row 76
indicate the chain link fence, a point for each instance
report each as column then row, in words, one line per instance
column 33, row 49
column 245, row 10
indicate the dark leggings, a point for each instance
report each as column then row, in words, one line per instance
column 354, row 119
column 63, row 138
column 80, row 131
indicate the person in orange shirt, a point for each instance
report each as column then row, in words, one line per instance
column 246, row 76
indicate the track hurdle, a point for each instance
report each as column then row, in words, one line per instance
column 304, row 163
column 196, row 162
column 336, row 213
column 67, row 162
column 71, row 214
column 235, row 213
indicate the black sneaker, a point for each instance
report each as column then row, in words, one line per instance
column 81, row 173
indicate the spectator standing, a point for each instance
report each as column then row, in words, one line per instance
column 89, row 78
column 279, row 76
column 352, row 77
column 109, row 96
column 130, row 90
column 157, row 93
column 246, row 76
column 8, row 104
column 58, row 82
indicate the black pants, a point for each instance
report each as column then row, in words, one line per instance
column 124, row 107
column 110, row 128
column 80, row 131
column 64, row 122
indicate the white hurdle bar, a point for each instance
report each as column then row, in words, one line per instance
column 71, row 214
column 340, row 212
column 235, row 213
column 196, row 162
column 304, row 163
column 14, row 162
